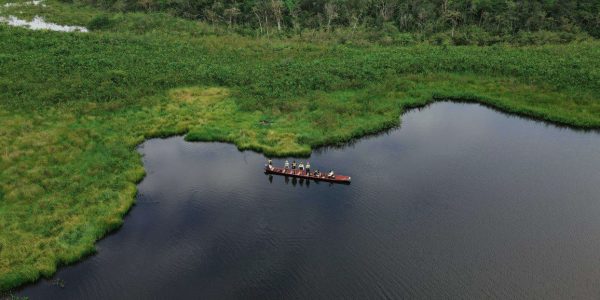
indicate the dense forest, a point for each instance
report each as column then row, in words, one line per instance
column 485, row 20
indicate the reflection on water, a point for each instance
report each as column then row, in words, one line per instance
column 303, row 182
column 38, row 23
column 461, row 202
column 26, row 3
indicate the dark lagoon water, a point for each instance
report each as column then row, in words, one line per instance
column 461, row 202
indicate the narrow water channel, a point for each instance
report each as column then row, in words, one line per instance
column 460, row 202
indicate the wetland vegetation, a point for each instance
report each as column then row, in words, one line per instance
column 74, row 106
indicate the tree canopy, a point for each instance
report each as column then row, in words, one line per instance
column 501, row 17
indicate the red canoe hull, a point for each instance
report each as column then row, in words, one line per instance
column 302, row 174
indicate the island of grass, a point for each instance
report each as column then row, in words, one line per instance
column 74, row 106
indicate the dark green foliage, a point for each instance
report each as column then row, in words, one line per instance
column 99, row 22
column 496, row 17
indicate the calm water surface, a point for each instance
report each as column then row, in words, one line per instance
column 461, row 202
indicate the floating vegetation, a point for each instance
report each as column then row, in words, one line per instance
column 58, row 282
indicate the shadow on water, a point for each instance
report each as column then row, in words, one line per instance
column 462, row 202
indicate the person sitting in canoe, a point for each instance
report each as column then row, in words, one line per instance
column 294, row 165
column 307, row 168
column 270, row 162
column 269, row 165
column 301, row 166
column 331, row 174
column 286, row 165
column 317, row 173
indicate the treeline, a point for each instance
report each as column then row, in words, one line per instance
column 426, row 17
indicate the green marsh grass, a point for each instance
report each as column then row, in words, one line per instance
column 73, row 108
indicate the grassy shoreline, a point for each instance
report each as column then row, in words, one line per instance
column 202, row 102
column 74, row 107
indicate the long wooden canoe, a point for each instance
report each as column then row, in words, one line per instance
column 303, row 174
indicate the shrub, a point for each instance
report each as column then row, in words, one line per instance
column 440, row 39
column 405, row 39
column 99, row 22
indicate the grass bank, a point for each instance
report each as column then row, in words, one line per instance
column 73, row 107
